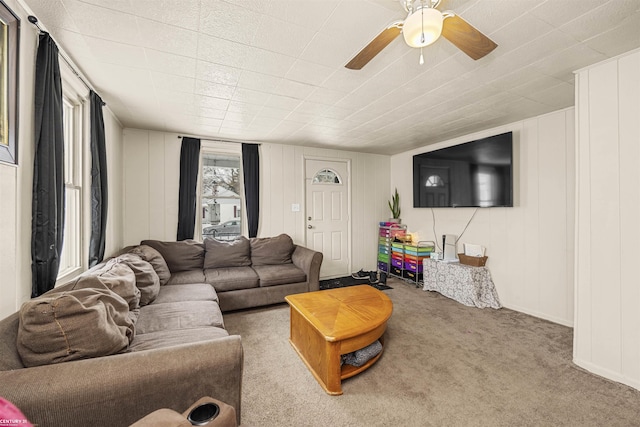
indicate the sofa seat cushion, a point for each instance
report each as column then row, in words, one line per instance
column 162, row 339
column 71, row 325
column 271, row 275
column 178, row 315
column 231, row 278
column 180, row 256
column 188, row 292
column 183, row 277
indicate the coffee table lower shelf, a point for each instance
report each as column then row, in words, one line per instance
column 346, row 371
column 349, row 371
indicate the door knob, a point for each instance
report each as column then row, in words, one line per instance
column 309, row 226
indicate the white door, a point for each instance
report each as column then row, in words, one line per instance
column 327, row 212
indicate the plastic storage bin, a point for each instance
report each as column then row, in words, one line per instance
column 416, row 268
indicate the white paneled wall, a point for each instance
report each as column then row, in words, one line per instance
column 151, row 182
column 8, row 248
column 152, row 170
column 531, row 245
column 607, row 321
column 16, row 187
column 113, row 136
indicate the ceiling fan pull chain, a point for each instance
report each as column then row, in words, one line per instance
column 422, row 35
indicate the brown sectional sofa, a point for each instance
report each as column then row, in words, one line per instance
column 245, row 273
column 141, row 332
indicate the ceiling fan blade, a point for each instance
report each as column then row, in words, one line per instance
column 466, row 38
column 375, row 46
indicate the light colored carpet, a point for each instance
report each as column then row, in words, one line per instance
column 444, row 364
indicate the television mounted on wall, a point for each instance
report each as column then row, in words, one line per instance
column 474, row 174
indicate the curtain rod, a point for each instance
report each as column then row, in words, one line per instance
column 218, row 140
column 34, row 21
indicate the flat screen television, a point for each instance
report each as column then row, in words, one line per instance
column 475, row 174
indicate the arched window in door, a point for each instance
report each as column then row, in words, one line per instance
column 434, row 181
column 326, row 176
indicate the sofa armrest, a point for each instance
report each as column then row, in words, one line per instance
column 308, row 261
column 122, row 388
column 226, row 416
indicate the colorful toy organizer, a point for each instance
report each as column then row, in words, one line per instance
column 387, row 233
column 406, row 259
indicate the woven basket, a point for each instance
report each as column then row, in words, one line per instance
column 475, row 261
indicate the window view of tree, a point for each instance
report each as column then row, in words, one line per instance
column 221, row 202
column 218, row 180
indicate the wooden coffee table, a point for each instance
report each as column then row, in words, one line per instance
column 327, row 324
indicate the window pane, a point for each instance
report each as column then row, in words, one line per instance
column 70, row 258
column 67, row 126
column 434, row 181
column 326, row 176
column 221, row 201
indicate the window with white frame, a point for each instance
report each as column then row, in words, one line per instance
column 220, row 197
column 71, row 259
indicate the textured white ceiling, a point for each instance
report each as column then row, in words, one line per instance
column 273, row 70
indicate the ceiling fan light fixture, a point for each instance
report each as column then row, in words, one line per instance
column 422, row 27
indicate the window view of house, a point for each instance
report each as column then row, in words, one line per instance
column 220, row 199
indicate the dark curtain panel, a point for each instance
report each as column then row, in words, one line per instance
column 47, row 220
column 99, row 190
column 251, row 168
column 189, row 162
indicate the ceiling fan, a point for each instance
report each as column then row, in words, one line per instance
column 423, row 25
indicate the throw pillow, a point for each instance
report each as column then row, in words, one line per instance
column 271, row 250
column 146, row 278
column 77, row 324
column 115, row 276
column 234, row 253
column 180, row 256
column 362, row 356
column 156, row 260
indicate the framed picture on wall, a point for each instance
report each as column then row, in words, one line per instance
column 9, row 45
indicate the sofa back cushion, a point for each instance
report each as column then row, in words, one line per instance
column 71, row 325
column 271, row 250
column 180, row 256
column 146, row 278
column 233, row 253
column 156, row 260
column 114, row 276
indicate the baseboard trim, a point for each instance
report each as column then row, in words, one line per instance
column 540, row 315
column 606, row 373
